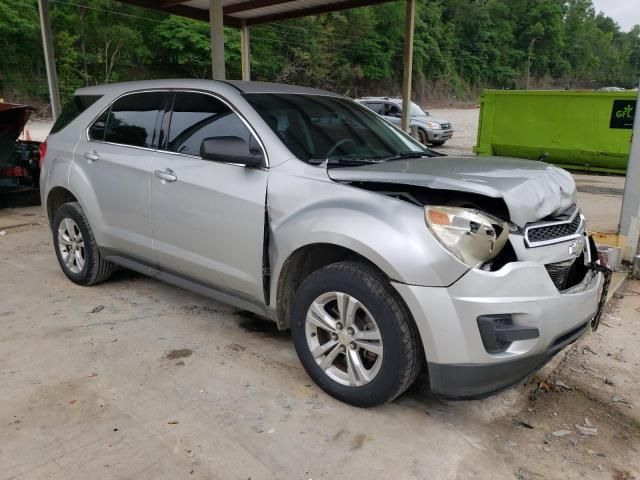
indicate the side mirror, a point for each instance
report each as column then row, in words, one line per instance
column 232, row 150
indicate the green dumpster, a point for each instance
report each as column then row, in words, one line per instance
column 572, row 129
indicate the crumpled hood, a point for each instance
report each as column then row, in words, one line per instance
column 531, row 190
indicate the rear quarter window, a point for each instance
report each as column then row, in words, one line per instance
column 77, row 105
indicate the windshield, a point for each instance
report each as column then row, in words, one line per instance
column 415, row 110
column 317, row 128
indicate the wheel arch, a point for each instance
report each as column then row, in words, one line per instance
column 301, row 263
column 57, row 197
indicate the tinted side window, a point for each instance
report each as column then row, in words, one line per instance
column 197, row 116
column 132, row 119
column 77, row 105
column 376, row 107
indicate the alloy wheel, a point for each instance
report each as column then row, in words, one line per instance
column 71, row 245
column 344, row 339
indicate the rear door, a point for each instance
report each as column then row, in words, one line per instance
column 115, row 158
column 375, row 106
column 207, row 217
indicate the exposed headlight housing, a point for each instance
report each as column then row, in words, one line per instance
column 433, row 125
column 472, row 236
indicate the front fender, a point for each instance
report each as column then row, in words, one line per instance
column 390, row 233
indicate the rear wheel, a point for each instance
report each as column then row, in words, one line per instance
column 76, row 247
column 354, row 336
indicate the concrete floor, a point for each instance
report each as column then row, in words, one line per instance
column 137, row 379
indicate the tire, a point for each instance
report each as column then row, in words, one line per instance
column 422, row 137
column 71, row 233
column 437, row 144
column 381, row 377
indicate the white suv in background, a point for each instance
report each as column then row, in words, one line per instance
column 431, row 130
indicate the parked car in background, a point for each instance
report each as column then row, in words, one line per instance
column 431, row 130
column 308, row 209
column 19, row 159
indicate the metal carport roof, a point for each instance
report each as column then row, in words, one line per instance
column 252, row 12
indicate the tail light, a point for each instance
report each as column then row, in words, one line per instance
column 42, row 149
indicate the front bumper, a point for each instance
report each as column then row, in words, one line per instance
column 459, row 365
column 439, row 135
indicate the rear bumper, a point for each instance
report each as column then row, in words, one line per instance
column 460, row 364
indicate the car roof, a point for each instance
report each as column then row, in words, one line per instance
column 241, row 86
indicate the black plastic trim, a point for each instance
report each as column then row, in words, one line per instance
column 498, row 332
column 469, row 381
column 230, row 297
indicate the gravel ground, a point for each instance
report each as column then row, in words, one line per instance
column 465, row 126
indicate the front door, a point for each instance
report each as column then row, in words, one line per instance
column 207, row 217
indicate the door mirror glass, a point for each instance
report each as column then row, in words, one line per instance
column 232, row 149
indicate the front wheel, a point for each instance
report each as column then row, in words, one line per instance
column 354, row 336
column 422, row 137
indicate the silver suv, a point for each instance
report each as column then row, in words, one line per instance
column 308, row 209
column 429, row 129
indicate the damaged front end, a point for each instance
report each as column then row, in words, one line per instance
column 492, row 212
column 533, row 279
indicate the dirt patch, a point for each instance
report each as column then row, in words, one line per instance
column 182, row 353
column 21, row 227
column 255, row 324
column 568, row 427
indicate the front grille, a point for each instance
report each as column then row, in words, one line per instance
column 445, row 126
column 559, row 273
column 555, row 231
column 568, row 273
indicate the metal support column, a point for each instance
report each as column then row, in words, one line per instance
column 408, row 63
column 49, row 58
column 629, row 226
column 216, row 25
column 245, row 52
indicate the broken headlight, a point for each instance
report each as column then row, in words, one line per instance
column 471, row 235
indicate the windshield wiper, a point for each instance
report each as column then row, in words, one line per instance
column 404, row 155
column 343, row 161
column 350, row 161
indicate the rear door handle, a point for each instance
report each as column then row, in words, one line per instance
column 92, row 156
column 166, row 175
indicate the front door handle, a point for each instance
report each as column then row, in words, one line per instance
column 92, row 156
column 166, row 175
